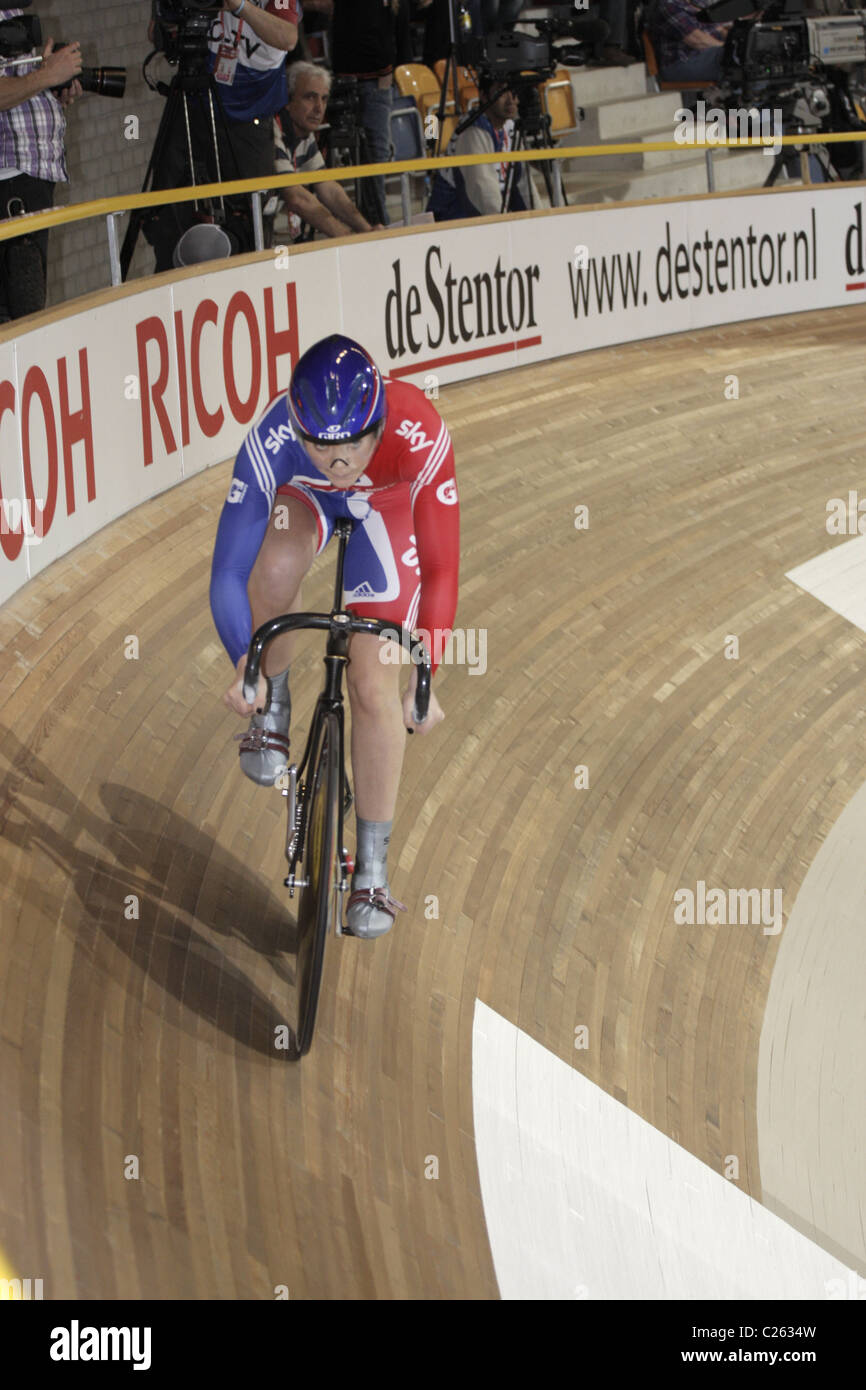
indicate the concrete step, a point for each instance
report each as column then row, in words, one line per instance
column 630, row 118
column 650, row 159
column 732, row 170
column 593, row 86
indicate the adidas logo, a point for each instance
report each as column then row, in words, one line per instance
column 363, row 591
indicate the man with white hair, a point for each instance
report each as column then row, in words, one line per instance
column 325, row 206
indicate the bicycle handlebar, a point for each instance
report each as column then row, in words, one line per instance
column 335, row 623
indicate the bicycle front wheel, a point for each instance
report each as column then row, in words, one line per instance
column 317, row 895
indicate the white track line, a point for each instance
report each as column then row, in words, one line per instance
column 583, row 1199
column 838, row 579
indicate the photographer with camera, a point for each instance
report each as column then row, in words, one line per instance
column 477, row 190
column 32, row 161
column 326, row 206
column 244, row 52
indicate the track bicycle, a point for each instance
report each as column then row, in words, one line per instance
column 318, row 793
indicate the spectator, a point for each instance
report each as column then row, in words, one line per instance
column 32, row 161
column 370, row 39
column 316, row 22
column 613, row 50
column 437, row 31
column 325, row 206
column 687, row 49
column 248, row 46
column 476, row 190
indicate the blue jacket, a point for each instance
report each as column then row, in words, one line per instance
column 475, row 190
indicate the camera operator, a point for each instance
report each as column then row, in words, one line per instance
column 476, row 190
column 32, row 160
column 326, row 206
column 370, row 38
column 248, row 44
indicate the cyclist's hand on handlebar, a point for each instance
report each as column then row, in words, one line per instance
column 435, row 712
column 234, row 696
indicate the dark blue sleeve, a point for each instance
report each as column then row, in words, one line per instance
column 268, row 457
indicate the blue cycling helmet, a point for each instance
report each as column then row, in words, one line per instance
column 336, row 392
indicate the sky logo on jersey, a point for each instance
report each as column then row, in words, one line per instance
column 237, row 491
column 413, row 431
column 276, row 436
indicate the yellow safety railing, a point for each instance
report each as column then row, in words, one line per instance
column 126, row 202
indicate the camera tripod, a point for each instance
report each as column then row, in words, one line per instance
column 532, row 131
column 205, row 168
column 790, row 154
column 346, row 145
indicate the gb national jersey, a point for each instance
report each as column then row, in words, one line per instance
column 402, row 560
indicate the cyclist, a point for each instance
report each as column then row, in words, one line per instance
column 343, row 441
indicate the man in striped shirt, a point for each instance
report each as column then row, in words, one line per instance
column 32, row 160
column 325, row 206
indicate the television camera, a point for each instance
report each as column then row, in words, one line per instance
column 809, row 66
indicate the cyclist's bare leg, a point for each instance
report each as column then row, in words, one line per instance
column 378, row 744
column 274, row 587
column 378, row 731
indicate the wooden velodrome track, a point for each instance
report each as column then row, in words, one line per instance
column 605, row 648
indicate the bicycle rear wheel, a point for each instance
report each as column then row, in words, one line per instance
column 317, row 896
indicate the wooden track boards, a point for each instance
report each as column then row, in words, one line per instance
column 605, row 648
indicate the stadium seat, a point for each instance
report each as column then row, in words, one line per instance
column 417, row 81
column 407, row 142
column 652, row 68
column 462, row 80
column 448, row 126
column 557, row 102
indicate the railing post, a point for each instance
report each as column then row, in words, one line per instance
column 114, row 248
column 558, row 199
column 258, row 224
column 404, row 194
column 711, row 173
